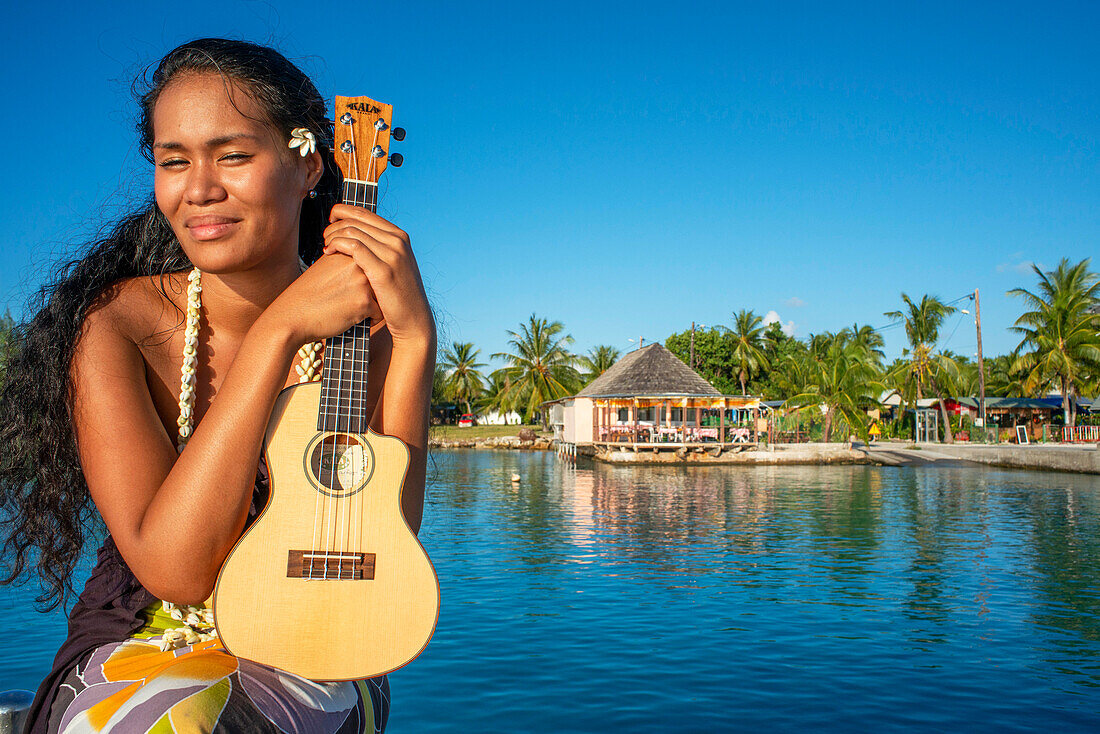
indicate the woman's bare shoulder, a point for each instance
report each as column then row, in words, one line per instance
column 139, row 308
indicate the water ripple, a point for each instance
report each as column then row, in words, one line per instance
column 662, row 599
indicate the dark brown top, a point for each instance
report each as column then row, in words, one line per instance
column 108, row 610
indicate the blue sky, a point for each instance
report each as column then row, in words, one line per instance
column 627, row 168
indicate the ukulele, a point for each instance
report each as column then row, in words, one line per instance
column 330, row 582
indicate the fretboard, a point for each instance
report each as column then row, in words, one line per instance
column 361, row 193
column 343, row 405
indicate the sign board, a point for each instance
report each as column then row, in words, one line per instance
column 1021, row 435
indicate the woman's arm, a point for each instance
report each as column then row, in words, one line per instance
column 407, row 385
column 174, row 519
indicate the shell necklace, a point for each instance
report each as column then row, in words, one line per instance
column 310, row 357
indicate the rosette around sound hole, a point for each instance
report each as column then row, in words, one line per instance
column 339, row 464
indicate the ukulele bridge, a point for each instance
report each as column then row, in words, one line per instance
column 334, row 565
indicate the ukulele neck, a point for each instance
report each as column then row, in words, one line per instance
column 343, row 405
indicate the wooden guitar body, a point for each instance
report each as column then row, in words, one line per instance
column 329, row 582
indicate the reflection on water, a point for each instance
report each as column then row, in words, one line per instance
column 653, row 599
column 708, row 598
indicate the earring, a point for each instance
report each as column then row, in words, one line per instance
column 313, row 193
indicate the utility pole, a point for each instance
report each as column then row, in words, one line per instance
column 981, row 364
column 693, row 345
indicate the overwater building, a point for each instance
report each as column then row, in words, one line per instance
column 651, row 399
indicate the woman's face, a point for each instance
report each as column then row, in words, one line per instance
column 225, row 180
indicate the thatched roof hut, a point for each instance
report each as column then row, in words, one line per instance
column 650, row 397
column 650, row 371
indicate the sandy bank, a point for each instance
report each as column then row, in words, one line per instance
column 1080, row 458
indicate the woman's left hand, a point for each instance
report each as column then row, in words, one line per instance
column 384, row 254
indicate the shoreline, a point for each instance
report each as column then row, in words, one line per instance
column 1074, row 458
column 773, row 454
column 512, row 443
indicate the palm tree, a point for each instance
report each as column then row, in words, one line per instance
column 793, row 374
column 463, row 381
column 540, row 366
column 868, row 339
column 1003, row 381
column 748, row 345
column 497, row 394
column 966, row 380
column 598, row 359
column 844, row 378
column 1061, row 331
column 921, row 365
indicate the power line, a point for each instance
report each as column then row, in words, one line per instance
column 901, row 322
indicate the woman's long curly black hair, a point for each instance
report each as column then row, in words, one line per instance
column 44, row 501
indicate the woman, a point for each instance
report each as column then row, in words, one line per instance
column 91, row 409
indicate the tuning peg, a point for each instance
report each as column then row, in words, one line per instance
column 398, row 134
column 396, row 159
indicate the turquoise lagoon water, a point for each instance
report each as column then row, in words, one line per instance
column 598, row 598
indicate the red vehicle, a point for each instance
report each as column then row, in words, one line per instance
column 466, row 420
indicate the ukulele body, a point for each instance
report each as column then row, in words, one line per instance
column 329, row 582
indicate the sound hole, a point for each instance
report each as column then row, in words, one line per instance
column 340, row 464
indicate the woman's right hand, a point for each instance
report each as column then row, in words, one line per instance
column 330, row 297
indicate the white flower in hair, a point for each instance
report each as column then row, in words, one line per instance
column 302, row 139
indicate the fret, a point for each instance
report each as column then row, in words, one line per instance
column 344, row 379
column 361, row 193
column 344, row 423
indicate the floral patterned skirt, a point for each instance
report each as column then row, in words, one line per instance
column 134, row 686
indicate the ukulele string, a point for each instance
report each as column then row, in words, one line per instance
column 327, row 458
column 351, row 453
column 360, row 518
column 331, row 449
column 353, row 158
column 357, row 453
column 349, row 197
column 372, row 175
column 334, row 476
column 370, row 163
column 320, row 467
column 370, row 203
column 318, row 517
column 347, row 480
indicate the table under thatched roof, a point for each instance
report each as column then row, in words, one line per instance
column 652, row 371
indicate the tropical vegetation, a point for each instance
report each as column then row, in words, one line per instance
column 748, row 347
column 539, row 366
column 597, row 361
column 462, row 382
column 922, row 367
column 834, row 381
column 841, row 376
column 1060, row 332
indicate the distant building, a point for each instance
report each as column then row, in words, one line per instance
column 496, row 418
column 650, row 398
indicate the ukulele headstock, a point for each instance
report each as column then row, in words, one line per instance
column 361, row 138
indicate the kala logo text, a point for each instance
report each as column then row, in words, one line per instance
column 364, row 107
